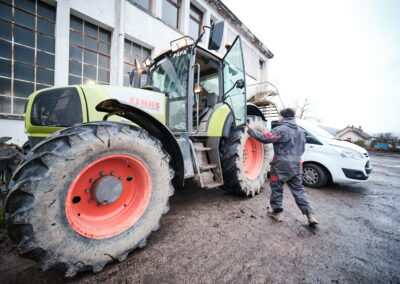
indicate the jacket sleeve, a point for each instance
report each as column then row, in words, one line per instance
column 266, row 137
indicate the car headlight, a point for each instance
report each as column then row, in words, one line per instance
column 348, row 153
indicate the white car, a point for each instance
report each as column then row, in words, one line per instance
column 328, row 159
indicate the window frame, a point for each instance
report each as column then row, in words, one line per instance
column 192, row 6
column 141, row 7
column 84, row 48
column 39, row 18
column 179, row 11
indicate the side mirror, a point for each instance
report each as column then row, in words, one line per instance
column 135, row 76
column 240, row 83
column 216, row 34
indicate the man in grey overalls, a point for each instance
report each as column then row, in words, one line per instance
column 286, row 166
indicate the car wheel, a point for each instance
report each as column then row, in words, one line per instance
column 314, row 176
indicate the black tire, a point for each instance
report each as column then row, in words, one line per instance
column 35, row 206
column 314, row 176
column 231, row 152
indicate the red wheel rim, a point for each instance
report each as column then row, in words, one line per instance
column 92, row 219
column 253, row 158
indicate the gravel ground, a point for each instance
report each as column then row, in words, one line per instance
column 212, row 237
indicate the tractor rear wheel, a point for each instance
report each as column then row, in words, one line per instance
column 245, row 161
column 88, row 195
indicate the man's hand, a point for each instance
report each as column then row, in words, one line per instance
column 248, row 126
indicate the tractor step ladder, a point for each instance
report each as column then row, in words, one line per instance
column 208, row 163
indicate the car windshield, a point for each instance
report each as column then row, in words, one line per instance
column 170, row 74
column 315, row 130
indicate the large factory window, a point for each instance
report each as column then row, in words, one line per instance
column 133, row 51
column 89, row 53
column 26, row 52
column 170, row 12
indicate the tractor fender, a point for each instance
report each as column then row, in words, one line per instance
column 252, row 109
column 153, row 126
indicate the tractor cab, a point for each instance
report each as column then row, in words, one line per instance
column 196, row 83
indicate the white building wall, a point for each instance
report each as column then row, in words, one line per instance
column 143, row 27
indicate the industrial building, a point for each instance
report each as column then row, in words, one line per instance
column 68, row 42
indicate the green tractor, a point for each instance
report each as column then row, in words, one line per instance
column 104, row 160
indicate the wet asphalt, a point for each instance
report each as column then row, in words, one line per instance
column 209, row 236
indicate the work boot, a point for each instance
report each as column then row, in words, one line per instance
column 275, row 216
column 312, row 220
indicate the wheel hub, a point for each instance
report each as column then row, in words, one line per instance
column 107, row 189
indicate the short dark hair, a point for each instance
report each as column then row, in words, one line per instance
column 287, row 112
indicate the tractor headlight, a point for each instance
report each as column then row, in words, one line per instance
column 179, row 44
column 348, row 153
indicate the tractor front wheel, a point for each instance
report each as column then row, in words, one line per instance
column 88, row 195
column 245, row 161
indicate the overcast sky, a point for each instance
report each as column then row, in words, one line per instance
column 343, row 54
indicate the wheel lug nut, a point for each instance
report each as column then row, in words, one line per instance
column 112, row 173
column 91, row 179
column 119, row 177
column 102, row 173
column 87, row 190
column 90, row 200
column 98, row 204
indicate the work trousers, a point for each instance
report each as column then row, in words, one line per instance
column 297, row 189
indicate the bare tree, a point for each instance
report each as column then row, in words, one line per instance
column 303, row 108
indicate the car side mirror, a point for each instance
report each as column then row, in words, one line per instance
column 135, row 76
column 216, row 34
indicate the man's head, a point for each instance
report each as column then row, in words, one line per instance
column 286, row 113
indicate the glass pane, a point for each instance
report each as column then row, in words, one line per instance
column 44, row 76
column 91, row 29
column 24, row 54
column 5, row 49
column 127, row 68
column 170, row 14
column 45, row 43
column 75, row 53
column 5, row 30
column 104, row 35
column 88, row 81
column 89, row 71
column 137, row 49
column 5, row 86
column 22, row 89
column 177, row 117
column 46, row 11
column 45, row 27
column 195, row 13
column 90, row 57
column 5, row 104
column 104, row 48
column 45, row 60
column 104, row 61
column 19, row 105
column 234, row 71
column 194, row 29
column 24, row 19
column 39, row 87
column 143, row 3
column 171, row 75
column 126, row 81
column 5, row 12
column 90, row 43
column 76, row 23
column 146, row 52
column 127, row 45
column 73, row 80
column 24, row 72
column 5, row 68
column 24, row 36
column 104, row 75
column 28, row 5
column 75, row 37
column 127, row 56
column 75, row 68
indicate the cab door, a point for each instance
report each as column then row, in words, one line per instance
column 233, row 71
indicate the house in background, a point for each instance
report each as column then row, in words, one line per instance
column 354, row 134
